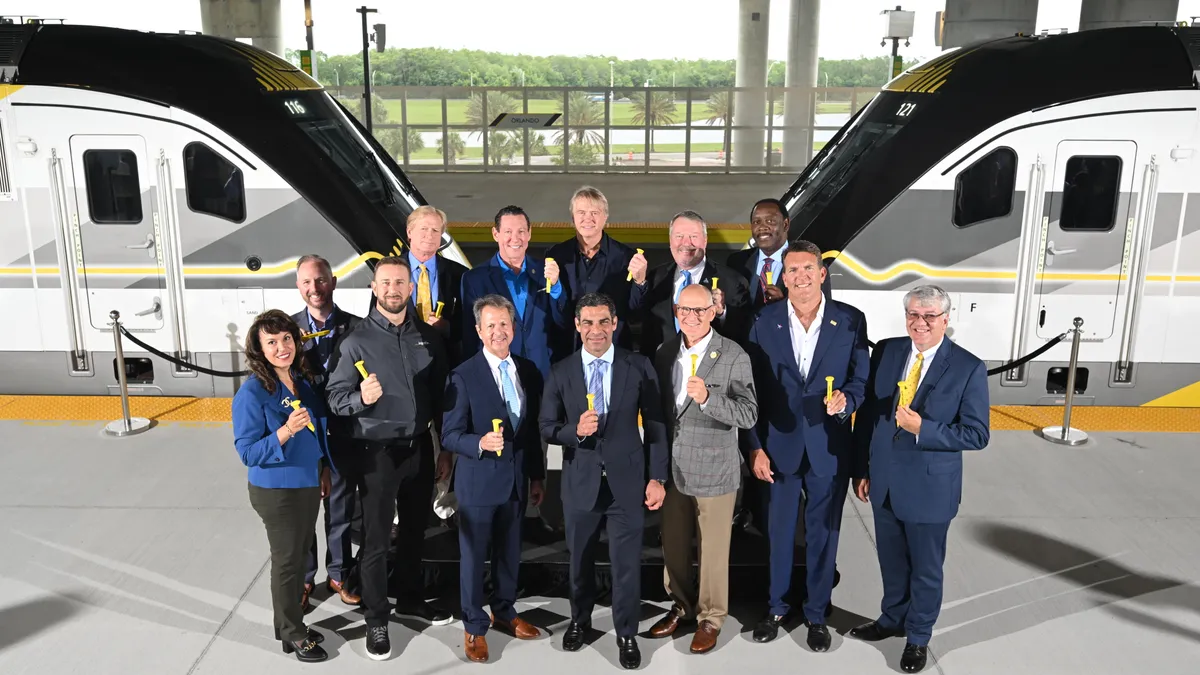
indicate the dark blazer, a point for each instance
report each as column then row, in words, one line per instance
column 616, row 448
column 658, row 314
column 792, row 421
column 472, row 402
column 343, row 322
column 745, row 263
column 608, row 278
column 449, row 282
column 544, row 316
column 922, row 475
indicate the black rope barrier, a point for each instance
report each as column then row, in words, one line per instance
column 181, row 363
column 1019, row 362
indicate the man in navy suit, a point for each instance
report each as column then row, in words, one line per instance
column 496, row 471
column 802, row 441
column 604, row 465
column 593, row 262
column 769, row 229
column 909, row 463
column 326, row 323
column 512, row 274
column 435, row 279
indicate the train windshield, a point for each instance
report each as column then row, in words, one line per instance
column 867, row 133
column 331, row 130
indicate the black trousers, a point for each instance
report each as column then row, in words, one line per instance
column 289, row 515
column 395, row 479
column 624, row 552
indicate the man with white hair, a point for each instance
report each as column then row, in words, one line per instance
column 926, row 402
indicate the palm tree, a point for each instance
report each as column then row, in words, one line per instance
column 457, row 147
column 584, row 112
column 661, row 111
column 497, row 102
column 720, row 109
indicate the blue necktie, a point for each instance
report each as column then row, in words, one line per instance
column 687, row 281
column 596, row 386
column 511, row 401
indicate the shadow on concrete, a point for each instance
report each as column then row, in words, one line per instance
column 20, row 622
column 1095, row 581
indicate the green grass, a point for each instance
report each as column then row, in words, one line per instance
column 429, row 111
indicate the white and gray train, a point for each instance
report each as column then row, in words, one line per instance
column 1036, row 178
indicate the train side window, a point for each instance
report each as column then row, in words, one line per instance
column 214, row 185
column 1090, row 193
column 114, row 192
column 984, row 190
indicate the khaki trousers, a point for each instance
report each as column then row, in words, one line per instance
column 680, row 517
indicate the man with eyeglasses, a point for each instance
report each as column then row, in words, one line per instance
column 926, row 402
column 810, row 366
column 708, row 395
column 688, row 236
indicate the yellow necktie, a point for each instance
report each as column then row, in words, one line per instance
column 424, row 296
column 909, row 390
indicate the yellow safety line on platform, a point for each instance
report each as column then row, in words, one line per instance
column 45, row 410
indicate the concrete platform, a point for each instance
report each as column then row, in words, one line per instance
column 142, row 555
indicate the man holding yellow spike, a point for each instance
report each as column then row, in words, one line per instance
column 436, row 279
column 926, row 402
column 708, row 395
column 802, row 444
column 491, row 423
column 327, row 323
column 690, row 264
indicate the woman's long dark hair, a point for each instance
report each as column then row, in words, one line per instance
column 274, row 322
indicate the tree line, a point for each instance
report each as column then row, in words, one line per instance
column 431, row 67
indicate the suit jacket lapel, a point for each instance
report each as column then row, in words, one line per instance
column 620, row 372
column 941, row 361
column 832, row 323
column 664, row 365
column 782, row 332
column 533, row 274
column 493, row 397
column 704, row 364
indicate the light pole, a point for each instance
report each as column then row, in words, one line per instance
column 610, row 74
column 366, row 67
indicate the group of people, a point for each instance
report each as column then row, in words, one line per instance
column 748, row 364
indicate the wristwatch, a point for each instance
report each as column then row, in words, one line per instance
column 660, row 481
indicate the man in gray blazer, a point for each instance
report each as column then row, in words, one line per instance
column 708, row 394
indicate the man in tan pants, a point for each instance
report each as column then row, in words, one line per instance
column 708, row 394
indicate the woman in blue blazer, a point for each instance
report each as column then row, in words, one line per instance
column 279, row 432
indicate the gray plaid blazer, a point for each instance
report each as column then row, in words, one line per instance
column 705, row 461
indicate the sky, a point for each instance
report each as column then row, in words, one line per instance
column 624, row 29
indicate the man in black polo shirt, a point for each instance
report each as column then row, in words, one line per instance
column 390, row 412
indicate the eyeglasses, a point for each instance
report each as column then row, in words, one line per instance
column 927, row 318
column 692, row 310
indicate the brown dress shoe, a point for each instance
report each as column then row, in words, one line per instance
column 346, row 596
column 476, row 647
column 304, row 604
column 518, row 628
column 705, row 638
column 666, row 626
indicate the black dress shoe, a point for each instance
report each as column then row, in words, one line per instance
column 768, row 628
column 872, row 631
column 573, row 638
column 631, row 656
column 314, row 636
column 818, row 637
column 423, row 611
column 306, row 650
column 913, row 660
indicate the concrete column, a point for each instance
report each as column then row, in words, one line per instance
column 968, row 21
column 750, row 107
column 259, row 20
column 1113, row 13
column 803, row 34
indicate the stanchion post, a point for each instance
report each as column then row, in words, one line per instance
column 126, row 426
column 1065, row 435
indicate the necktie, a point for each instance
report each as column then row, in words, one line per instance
column 762, row 278
column 424, row 296
column 687, row 281
column 596, row 386
column 511, row 401
column 909, row 391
